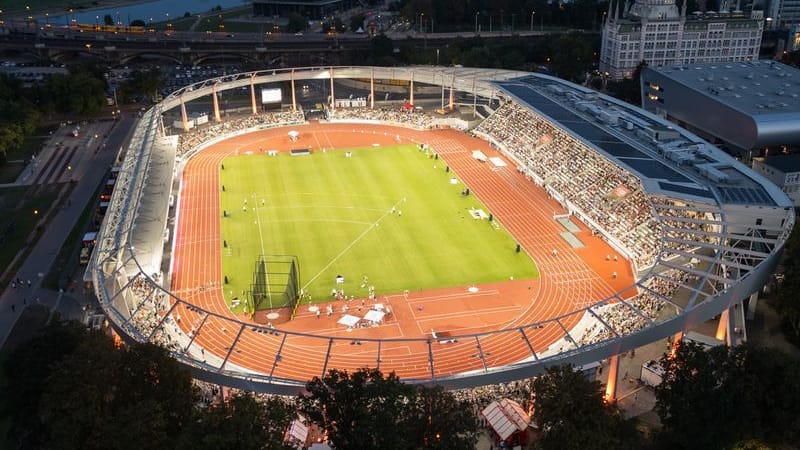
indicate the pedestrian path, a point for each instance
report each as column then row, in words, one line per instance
column 43, row 254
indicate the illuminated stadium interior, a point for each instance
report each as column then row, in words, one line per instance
column 701, row 232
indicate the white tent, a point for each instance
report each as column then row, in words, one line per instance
column 374, row 316
column 506, row 417
column 297, row 432
column 349, row 320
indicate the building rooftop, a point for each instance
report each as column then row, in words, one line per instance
column 756, row 88
column 784, row 163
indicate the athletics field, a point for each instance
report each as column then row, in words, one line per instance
column 391, row 217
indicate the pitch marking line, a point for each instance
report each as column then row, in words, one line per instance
column 355, row 241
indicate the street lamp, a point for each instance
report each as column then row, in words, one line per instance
column 421, row 15
column 532, row 13
column 477, row 13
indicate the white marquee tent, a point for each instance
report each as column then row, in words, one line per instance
column 506, row 417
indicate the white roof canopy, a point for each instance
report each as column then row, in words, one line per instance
column 506, row 417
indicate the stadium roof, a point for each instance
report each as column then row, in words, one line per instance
column 668, row 160
column 784, row 163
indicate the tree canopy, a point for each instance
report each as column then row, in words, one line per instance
column 72, row 388
column 572, row 414
column 788, row 302
column 365, row 409
column 718, row 397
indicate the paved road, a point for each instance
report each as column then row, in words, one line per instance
column 88, row 174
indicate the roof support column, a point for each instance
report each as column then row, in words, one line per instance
column 411, row 89
column 611, row 384
column 372, row 90
column 216, row 103
column 333, row 96
column 676, row 342
column 722, row 325
column 452, row 90
column 751, row 306
column 474, row 100
column 184, row 118
column 253, row 93
column 294, row 98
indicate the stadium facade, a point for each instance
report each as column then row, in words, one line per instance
column 705, row 226
column 746, row 107
column 657, row 32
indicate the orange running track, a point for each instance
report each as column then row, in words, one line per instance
column 572, row 279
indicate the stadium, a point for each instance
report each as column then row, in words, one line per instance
column 610, row 229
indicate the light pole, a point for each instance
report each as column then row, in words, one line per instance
column 477, row 13
column 421, row 15
column 513, row 19
column 532, row 13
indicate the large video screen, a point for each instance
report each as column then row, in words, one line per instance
column 270, row 96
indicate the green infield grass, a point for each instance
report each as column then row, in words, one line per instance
column 388, row 217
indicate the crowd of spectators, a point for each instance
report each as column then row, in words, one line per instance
column 147, row 302
column 606, row 193
column 680, row 225
column 622, row 317
column 203, row 133
column 405, row 117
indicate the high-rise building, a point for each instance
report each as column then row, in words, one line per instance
column 658, row 32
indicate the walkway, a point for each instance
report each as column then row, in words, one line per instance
column 88, row 173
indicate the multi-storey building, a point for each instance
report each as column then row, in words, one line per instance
column 657, row 32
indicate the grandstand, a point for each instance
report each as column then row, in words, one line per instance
column 701, row 230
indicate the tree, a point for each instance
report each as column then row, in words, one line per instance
column 572, row 414
column 629, row 89
column 715, row 398
column 362, row 409
column 687, row 400
column 788, row 302
column 27, row 368
column 442, row 421
column 138, row 23
column 142, row 83
column 366, row 409
column 572, row 56
column 356, row 22
column 296, row 23
column 84, row 392
column 240, row 423
column 108, row 20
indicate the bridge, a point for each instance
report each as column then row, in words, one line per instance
column 187, row 47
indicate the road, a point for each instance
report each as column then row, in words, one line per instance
column 88, row 175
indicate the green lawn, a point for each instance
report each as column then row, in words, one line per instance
column 335, row 214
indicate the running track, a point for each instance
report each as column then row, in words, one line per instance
column 571, row 280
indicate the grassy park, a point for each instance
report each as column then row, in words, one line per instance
column 391, row 214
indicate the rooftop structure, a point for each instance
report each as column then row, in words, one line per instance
column 743, row 105
column 784, row 171
column 657, row 32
